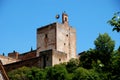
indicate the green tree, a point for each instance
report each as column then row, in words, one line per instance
column 26, row 73
column 104, row 47
column 116, row 65
column 88, row 58
column 19, row 74
column 115, row 22
column 85, row 60
column 84, row 74
column 72, row 65
column 58, row 72
column 36, row 74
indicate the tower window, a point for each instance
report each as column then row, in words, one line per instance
column 59, row 59
column 67, row 35
column 46, row 40
column 65, row 18
column 46, row 36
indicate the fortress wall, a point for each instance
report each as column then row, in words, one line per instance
column 58, row 57
column 7, row 60
column 46, row 38
column 27, row 55
column 28, row 63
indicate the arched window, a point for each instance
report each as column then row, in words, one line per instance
column 66, row 19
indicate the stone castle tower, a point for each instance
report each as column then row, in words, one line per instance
column 60, row 38
column 56, row 43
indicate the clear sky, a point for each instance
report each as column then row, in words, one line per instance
column 19, row 20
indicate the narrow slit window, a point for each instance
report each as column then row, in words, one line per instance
column 59, row 59
column 65, row 18
column 67, row 35
column 46, row 36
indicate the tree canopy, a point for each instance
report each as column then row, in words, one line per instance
column 115, row 22
column 104, row 47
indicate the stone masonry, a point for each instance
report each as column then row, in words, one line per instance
column 60, row 37
column 56, row 43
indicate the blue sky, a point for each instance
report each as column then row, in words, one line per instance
column 19, row 20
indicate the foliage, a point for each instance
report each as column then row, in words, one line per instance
column 104, row 47
column 84, row 74
column 72, row 65
column 101, row 59
column 19, row 74
column 115, row 21
column 25, row 73
column 116, row 65
column 36, row 74
column 86, row 60
column 58, row 72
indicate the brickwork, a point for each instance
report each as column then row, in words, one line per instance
column 66, row 40
column 13, row 55
column 29, row 63
column 58, row 57
column 27, row 55
column 7, row 60
column 52, row 57
column 60, row 37
column 46, row 38
column 46, row 58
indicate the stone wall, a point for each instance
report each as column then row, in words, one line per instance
column 72, row 43
column 57, row 36
column 23, row 56
column 46, row 38
column 58, row 57
column 46, row 58
column 7, row 60
column 13, row 55
column 66, row 40
column 52, row 57
column 29, row 63
column 27, row 55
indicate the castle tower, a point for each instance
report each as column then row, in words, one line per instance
column 59, row 37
